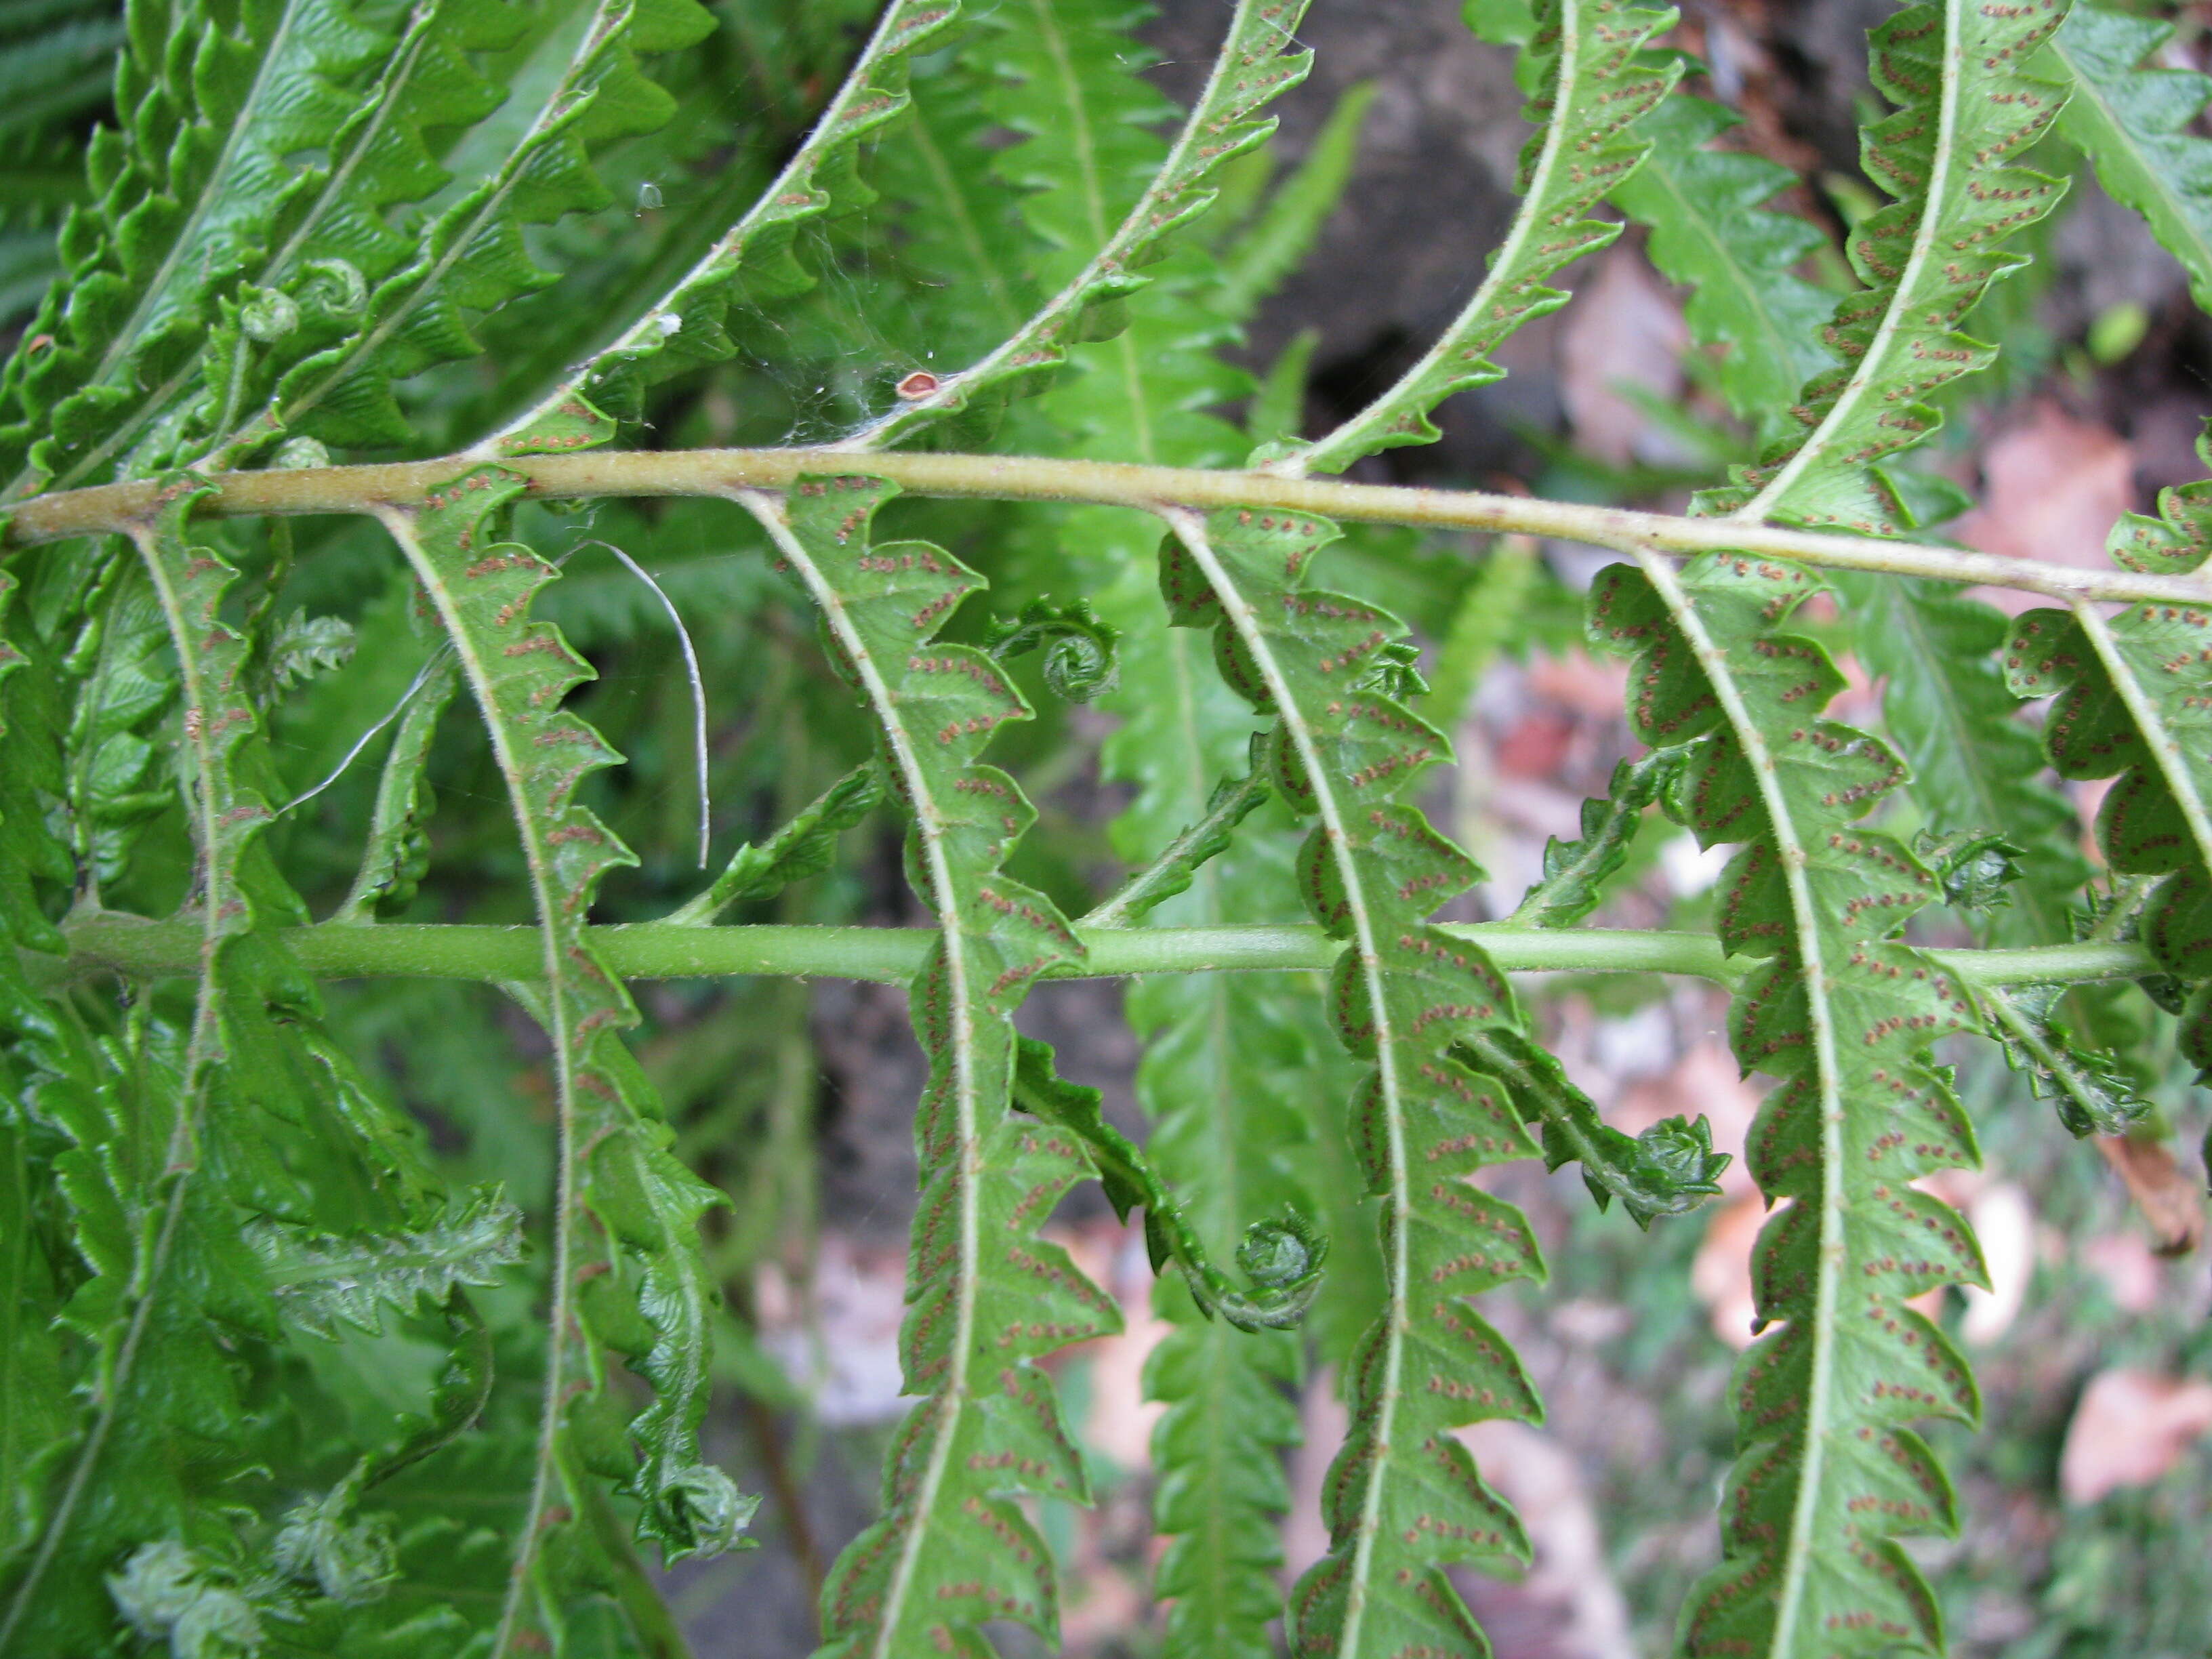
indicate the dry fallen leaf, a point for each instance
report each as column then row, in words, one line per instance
column 1720, row 1274
column 2127, row 1266
column 2168, row 1196
column 2130, row 1429
column 1628, row 330
column 2005, row 1223
column 837, row 1337
column 2051, row 490
column 1569, row 1592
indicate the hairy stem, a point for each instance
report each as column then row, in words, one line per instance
column 1015, row 477
column 892, row 956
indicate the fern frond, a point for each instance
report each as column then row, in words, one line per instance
column 636, row 1281
column 2090, row 1087
column 1254, row 67
column 1220, row 1080
column 804, row 847
column 1403, row 1499
column 684, row 325
column 252, row 1113
column 1283, row 1257
column 321, row 1281
column 1828, row 1468
column 1575, row 872
column 37, row 1420
column 473, row 256
column 2135, row 702
column 1594, row 82
column 985, row 1297
column 2134, row 123
column 1712, row 232
column 961, row 231
column 1669, row 1170
column 1968, row 99
column 1233, row 800
column 1974, row 765
column 393, row 859
column 184, row 203
column 329, row 237
column 1284, row 229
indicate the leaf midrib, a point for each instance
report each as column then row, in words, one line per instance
column 2090, row 94
column 545, row 128
column 1536, row 204
column 1812, row 970
column 1905, row 297
column 149, row 408
column 951, row 923
column 1191, row 531
column 1174, row 173
column 404, row 529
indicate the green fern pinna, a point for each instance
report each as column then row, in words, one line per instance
column 366, row 324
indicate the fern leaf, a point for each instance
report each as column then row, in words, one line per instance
column 1969, row 100
column 1282, row 1257
column 392, row 860
column 55, row 66
column 1227, row 1080
column 327, row 238
column 1829, row 1468
column 2134, row 123
column 1669, row 1170
column 1403, row 1499
column 1283, row 229
column 322, row 1281
column 1483, row 620
column 1711, row 233
column 1595, row 82
column 1974, row 765
column 1233, row 800
column 985, row 1297
column 473, row 255
column 959, row 229
column 37, row 1422
column 183, row 205
column 684, row 325
column 636, row 1281
column 1066, row 77
column 1253, row 68
column 35, row 1419
column 2136, row 691
column 1572, row 884
column 156, row 1182
column 2092, row 1091
column 2137, row 702
column 804, row 847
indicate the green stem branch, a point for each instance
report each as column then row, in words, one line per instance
column 892, row 956
column 1020, row 478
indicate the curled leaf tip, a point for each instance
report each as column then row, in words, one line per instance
column 1080, row 661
